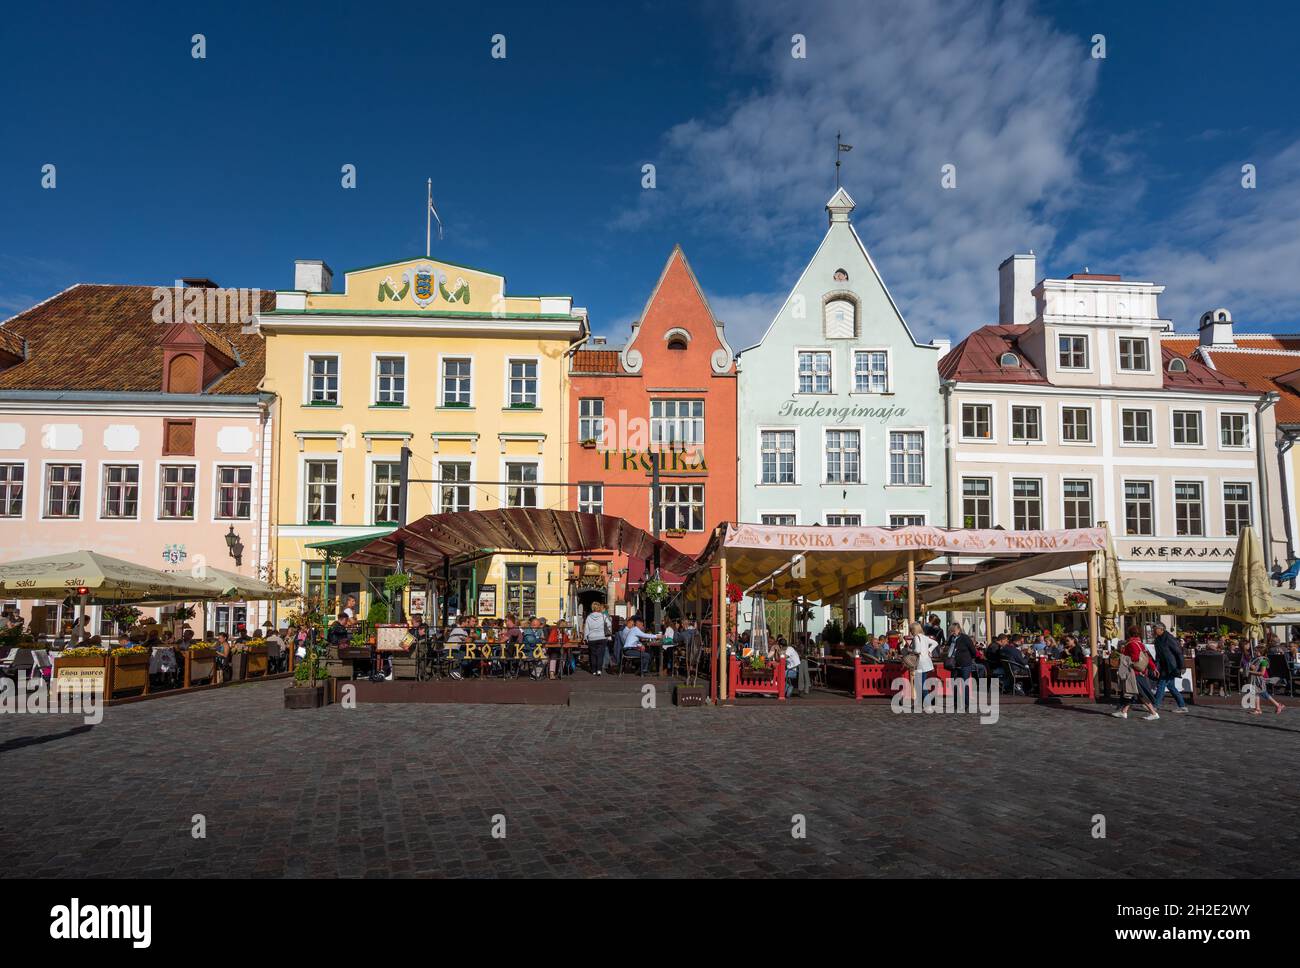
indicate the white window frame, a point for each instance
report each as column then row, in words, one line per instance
column 787, row 512
column 1250, row 501
column 504, row 488
column 1012, row 406
column 677, row 419
column 303, row 461
column 853, row 375
column 1173, row 437
column 833, row 376
column 1094, row 495
column 44, row 505
column 589, row 506
column 437, row 496
column 372, row 462
column 859, row 513
column 926, row 463
column 216, row 489
column 993, row 497
column 1092, row 424
column 104, row 465
column 443, row 359
column 1119, row 354
column 758, row 463
column 158, row 490
column 1087, row 351
column 537, row 389
column 890, row 515
column 588, row 419
column 374, row 380
column 1204, row 485
column 1153, row 484
column 992, row 438
column 1151, row 426
column 703, row 503
column 307, row 377
column 1250, row 429
column 862, row 436
column 1042, row 498
column 27, row 489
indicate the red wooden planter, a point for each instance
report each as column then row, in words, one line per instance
column 1052, row 686
column 876, row 678
column 772, row 684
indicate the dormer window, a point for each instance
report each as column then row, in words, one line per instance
column 677, row 343
column 1178, row 365
column 183, row 374
column 677, row 339
column 840, row 318
column 1008, row 359
column 841, row 275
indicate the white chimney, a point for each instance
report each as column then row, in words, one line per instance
column 312, row 275
column 1016, row 304
column 1216, row 328
column 943, row 346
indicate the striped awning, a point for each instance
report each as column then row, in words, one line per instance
column 463, row 536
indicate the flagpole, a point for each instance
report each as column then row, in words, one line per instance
column 428, row 220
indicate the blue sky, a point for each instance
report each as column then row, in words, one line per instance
column 229, row 167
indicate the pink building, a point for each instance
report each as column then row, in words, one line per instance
column 131, row 435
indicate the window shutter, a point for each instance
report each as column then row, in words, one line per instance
column 178, row 437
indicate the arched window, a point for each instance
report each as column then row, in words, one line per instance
column 1008, row 359
column 183, row 374
column 1177, row 365
column 840, row 318
column 677, row 343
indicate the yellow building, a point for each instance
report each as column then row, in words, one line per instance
column 438, row 358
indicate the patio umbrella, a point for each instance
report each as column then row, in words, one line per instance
column 1142, row 595
column 1026, row 595
column 1248, row 598
column 229, row 584
column 60, row 575
column 1111, row 590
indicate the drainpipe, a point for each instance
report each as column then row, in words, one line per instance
column 946, row 387
column 1265, row 401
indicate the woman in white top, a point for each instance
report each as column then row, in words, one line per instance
column 924, row 647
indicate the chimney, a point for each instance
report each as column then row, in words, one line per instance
column 1016, row 304
column 598, row 341
column 1216, row 328
column 198, row 282
column 312, row 275
column 943, row 346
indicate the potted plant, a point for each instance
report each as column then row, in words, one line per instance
column 589, row 443
column 307, row 691
column 358, row 646
column 655, row 590
column 832, row 634
column 1077, row 600
column 755, row 669
column 84, row 666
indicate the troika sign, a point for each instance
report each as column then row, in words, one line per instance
column 643, row 460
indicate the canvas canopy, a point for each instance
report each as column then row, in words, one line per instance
column 106, row 579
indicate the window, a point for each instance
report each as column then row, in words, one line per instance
column 1178, row 365
column 839, row 319
column 1008, row 359
column 234, row 492
column 844, row 520
column 906, row 520
column 1027, row 424
column 1026, row 504
column 453, row 490
column 322, row 491
column 177, row 489
column 1236, row 508
column 521, row 489
column 63, row 491
column 521, row 590
column 1076, row 424
column 777, row 458
column 976, row 421
column 1072, row 352
column 1135, row 426
column 318, row 581
column 184, row 375
column 1077, row 500
column 228, row 618
column 121, row 490
column 591, row 419
column 870, row 371
column 11, row 490
column 1134, row 354
column 677, row 344
column 677, row 422
column 977, row 502
column 906, row 457
column 1187, row 428
column 1139, row 508
column 781, row 520
column 178, row 438
column 324, row 380
column 681, row 507
column 1234, row 430
column 390, row 381
column 456, row 383
column 386, row 492
column 815, row 371
column 523, row 383
column 1189, row 509
column 591, row 498
column 843, row 456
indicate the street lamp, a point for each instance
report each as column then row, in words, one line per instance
column 235, row 546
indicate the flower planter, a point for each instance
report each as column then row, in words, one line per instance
column 689, row 695
column 1056, row 681
column 350, row 652
column 257, row 661
column 82, row 673
column 304, row 697
column 200, row 666
column 130, row 673
column 876, row 678
column 238, row 666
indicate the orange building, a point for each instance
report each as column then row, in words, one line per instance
column 669, row 395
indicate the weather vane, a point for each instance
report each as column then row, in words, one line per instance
column 840, row 148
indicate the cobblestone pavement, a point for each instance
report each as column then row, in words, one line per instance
column 398, row 790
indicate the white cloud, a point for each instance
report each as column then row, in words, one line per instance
column 992, row 89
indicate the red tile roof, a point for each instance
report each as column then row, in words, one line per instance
column 1260, row 369
column 976, row 360
column 103, row 337
column 596, row 361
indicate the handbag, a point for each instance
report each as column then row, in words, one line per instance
column 1143, row 661
column 910, row 661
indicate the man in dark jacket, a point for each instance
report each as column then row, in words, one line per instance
column 1169, row 664
column 962, row 651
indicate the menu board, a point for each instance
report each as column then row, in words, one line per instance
column 487, row 601
column 391, row 638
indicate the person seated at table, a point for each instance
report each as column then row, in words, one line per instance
column 634, row 638
column 874, row 650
